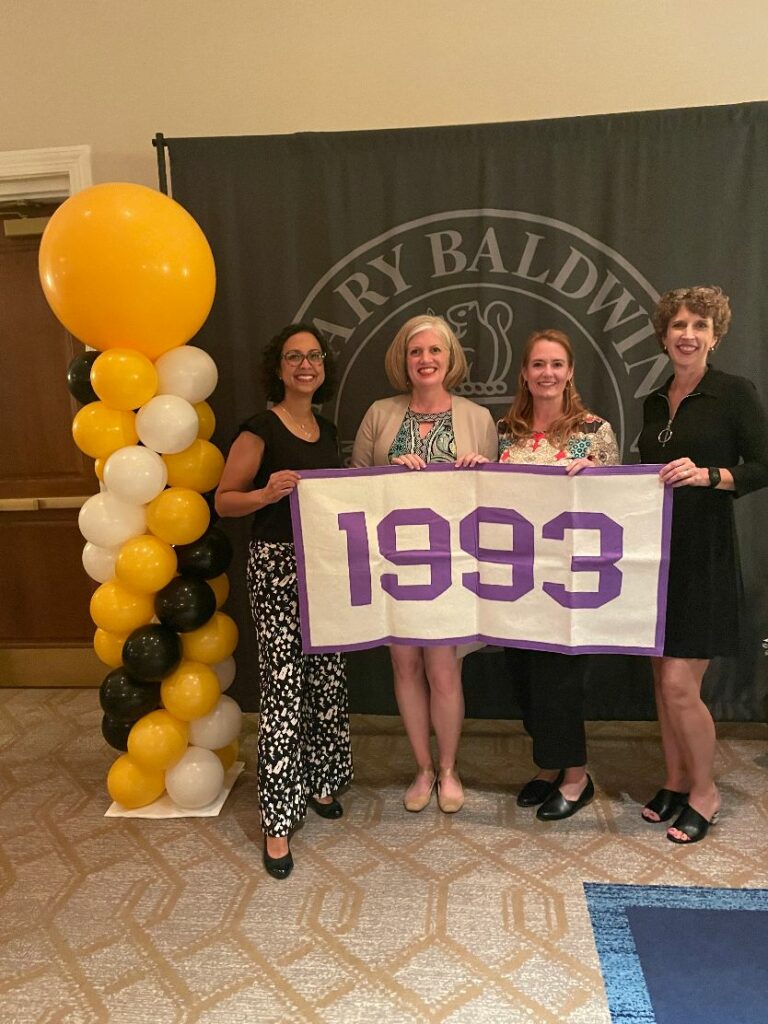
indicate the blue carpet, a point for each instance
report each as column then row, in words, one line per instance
column 692, row 955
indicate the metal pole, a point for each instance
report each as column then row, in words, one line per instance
column 162, row 174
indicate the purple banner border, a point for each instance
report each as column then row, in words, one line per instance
column 637, row 470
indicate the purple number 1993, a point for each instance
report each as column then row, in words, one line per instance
column 519, row 556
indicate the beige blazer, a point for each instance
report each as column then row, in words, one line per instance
column 473, row 428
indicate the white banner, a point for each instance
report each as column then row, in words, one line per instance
column 511, row 555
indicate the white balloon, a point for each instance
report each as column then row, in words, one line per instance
column 196, row 779
column 186, row 371
column 99, row 563
column 106, row 521
column 135, row 474
column 219, row 727
column 167, row 423
column 225, row 672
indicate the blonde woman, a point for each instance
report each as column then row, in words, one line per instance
column 548, row 425
column 426, row 424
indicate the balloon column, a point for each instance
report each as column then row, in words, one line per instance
column 129, row 272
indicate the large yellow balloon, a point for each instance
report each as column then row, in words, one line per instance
column 213, row 642
column 178, row 515
column 118, row 609
column 207, row 420
column 158, row 740
column 109, row 647
column 146, row 564
column 123, row 379
column 228, row 755
column 98, row 468
column 197, row 467
column 124, row 266
column 191, row 691
column 132, row 784
column 98, row 430
column 220, row 586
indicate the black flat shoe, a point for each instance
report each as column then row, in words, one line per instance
column 556, row 807
column 331, row 810
column 666, row 803
column 693, row 825
column 536, row 791
column 278, row 867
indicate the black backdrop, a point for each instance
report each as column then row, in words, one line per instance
column 576, row 223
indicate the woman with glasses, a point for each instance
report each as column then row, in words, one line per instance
column 425, row 424
column 304, row 748
column 711, row 432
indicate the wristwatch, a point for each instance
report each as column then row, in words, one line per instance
column 714, row 476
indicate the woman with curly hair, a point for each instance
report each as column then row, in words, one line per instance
column 304, row 748
column 548, row 425
column 710, row 431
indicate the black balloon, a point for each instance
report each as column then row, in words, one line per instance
column 115, row 733
column 79, row 377
column 185, row 604
column 151, row 652
column 206, row 557
column 126, row 699
column 210, row 500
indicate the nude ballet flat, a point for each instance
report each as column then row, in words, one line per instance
column 416, row 802
column 449, row 805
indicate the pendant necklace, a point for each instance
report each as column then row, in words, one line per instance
column 307, row 433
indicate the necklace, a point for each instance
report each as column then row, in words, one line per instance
column 307, row 433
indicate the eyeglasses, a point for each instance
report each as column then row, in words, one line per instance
column 295, row 358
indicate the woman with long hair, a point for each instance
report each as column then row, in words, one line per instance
column 548, row 425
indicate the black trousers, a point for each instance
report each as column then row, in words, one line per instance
column 550, row 690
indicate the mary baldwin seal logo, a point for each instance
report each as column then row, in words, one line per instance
column 495, row 275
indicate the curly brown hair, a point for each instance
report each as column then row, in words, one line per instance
column 519, row 420
column 703, row 300
column 272, row 355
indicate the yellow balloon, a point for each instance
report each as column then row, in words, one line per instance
column 228, row 755
column 213, row 642
column 118, row 609
column 124, row 266
column 98, row 468
column 132, row 784
column 158, row 740
column 123, row 379
column 109, row 647
column 220, row 586
column 207, row 420
column 98, row 430
column 178, row 515
column 197, row 467
column 191, row 691
column 146, row 564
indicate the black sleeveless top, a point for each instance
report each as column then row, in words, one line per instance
column 283, row 450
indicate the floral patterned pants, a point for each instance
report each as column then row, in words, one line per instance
column 304, row 746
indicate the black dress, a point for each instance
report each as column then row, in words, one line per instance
column 721, row 424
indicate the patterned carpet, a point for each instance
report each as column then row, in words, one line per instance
column 388, row 917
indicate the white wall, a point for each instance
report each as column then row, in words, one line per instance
column 111, row 73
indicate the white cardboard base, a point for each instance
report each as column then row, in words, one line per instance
column 164, row 807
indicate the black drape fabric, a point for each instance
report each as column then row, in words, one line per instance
column 574, row 223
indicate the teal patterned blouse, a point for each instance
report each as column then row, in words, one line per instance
column 439, row 445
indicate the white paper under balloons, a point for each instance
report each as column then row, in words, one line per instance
column 99, row 563
column 219, row 727
column 108, row 522
column 167, row 424
column 196, row 779
column 225, row 672
column 135, row 474
column 186, row 371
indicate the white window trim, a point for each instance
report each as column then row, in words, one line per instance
column 53, row 173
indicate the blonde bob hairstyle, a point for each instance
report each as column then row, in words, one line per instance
column 396, row 362
column 519, row 420
column 703, row 300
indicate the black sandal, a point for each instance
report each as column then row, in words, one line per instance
column 693, row 825
column 666, row 803
column 333, row 810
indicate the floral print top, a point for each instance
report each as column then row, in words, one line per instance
column 594, row 440
column 439, row 445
